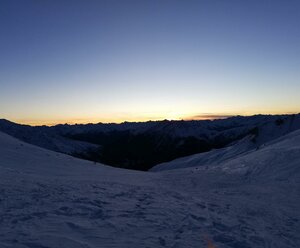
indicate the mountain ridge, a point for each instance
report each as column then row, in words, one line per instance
column 142, row 145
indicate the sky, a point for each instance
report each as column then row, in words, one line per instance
column 65, row 61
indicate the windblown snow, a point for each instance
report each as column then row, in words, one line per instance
column 249, row 199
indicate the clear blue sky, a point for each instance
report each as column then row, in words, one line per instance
column 81, row 61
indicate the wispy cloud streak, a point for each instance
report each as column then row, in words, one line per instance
column 209, row 116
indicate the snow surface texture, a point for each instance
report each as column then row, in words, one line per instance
column 215, row 156
column 53, row 200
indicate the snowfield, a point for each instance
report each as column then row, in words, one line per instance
column 249, row 199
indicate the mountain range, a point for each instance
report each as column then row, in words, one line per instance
column 142, row 145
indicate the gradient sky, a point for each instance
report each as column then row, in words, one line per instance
column 116, row 60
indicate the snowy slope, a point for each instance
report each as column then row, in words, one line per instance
column 215, row 156
column 265, row 133
column 277, row 160
column 53, row 200
column 254, row 198
column 44, row 137
column 19, row 157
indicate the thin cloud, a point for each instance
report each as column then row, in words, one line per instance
column 209, row 116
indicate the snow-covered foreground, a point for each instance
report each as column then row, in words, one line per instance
column 52, row 200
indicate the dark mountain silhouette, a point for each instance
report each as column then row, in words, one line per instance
column 141, row 145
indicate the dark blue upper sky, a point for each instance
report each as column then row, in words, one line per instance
column 135, row 60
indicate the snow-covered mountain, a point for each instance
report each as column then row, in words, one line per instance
column 143, row 145
column 52, row 200
column 259, row 137
column 215, row 156
column 45, row 137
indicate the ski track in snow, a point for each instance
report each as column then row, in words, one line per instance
column 53, row 200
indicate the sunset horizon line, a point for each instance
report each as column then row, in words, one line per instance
column 85, row 121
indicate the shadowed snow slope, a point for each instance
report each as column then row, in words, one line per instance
column 261, row 136
column 216, row 156
column 53, row 200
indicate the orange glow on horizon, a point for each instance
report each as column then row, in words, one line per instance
column 170, row 116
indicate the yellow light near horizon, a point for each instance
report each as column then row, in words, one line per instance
column 140, row 117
